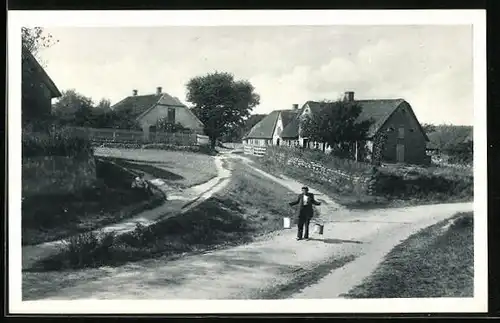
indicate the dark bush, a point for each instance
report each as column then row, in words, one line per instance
column 61, row 142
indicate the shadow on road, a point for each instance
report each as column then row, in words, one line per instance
column 335, row 241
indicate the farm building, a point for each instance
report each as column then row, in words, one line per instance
column 38, row 90
column 150, row 108
column 406, row 140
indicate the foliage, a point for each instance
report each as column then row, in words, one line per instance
column 455, row 141
column 379, row 144
column 164, row 124
column 104, row 106
column 221, row 102
column 35, row 39
column 75, row 109
column 237, row 134
column 428, row 128
column 61, row 142
column 337, row 125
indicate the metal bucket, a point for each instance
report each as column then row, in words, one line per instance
column 318, row 228
column 287, row 223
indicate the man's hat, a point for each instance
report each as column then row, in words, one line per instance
column 305, row 188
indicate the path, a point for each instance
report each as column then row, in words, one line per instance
column 176, row 204
column 276, row 266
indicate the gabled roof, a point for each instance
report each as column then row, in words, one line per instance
column 377, row 110
column 30, row 59
column 140, row 104
column 265, row 128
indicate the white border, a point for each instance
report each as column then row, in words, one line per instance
column 477, row 18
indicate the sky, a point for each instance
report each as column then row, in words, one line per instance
column 431, row 67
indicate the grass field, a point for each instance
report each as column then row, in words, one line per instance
column 250, row 206
column 183, row 169
column 436, row 262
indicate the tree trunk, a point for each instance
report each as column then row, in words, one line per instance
column 213, row 141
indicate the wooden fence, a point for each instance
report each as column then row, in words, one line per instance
column 130, row 136
column 254, row 150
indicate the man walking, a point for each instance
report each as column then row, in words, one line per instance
column 304, row 212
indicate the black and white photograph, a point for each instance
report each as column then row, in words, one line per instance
column 331, row 161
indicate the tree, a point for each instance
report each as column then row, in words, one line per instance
column 337, row 125
column 428, row 128
column 104, row 106
column 35, row 39
column 221, row 103
column 73, row 108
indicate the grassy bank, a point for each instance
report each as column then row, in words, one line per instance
column 436, row 262
column 359, row 185
column 180, row 168
column 354, row 199
column 250, row 206
column 51, row 217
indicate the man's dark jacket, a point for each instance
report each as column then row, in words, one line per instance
column 305, row 211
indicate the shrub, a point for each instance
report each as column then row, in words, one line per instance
column 61, row 142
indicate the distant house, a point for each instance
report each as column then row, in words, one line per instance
column 406, row 140
column 38, row 90
column 149, row 109
column 268, row 130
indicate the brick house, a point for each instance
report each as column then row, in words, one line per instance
column 406, row 140
column 268, row 130
column 150, row 108
column 38, row 90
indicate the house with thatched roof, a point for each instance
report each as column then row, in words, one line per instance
column 268, row 130
column 406, row 140
column 150, row 108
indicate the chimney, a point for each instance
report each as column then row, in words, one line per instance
column 349, row 96
column 134, row 92
column 158, row 90
column 295, row 106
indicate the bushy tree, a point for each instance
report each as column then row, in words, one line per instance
column 221, row 102
column 337, row 125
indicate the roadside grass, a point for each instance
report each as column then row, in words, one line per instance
column 184, row 169
column 51, row 217
column 250, row 206
column 436, row 262
column 352, row 200
column 359, row 198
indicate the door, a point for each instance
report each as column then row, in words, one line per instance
column 400, row 153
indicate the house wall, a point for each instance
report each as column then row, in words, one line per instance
column 258, row 142
column 413, row 141
column 182, row 116
column 36, row 101
column 278, row 128
column 56, row 174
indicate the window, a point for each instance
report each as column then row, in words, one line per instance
column 171, row 115
column 401, row 133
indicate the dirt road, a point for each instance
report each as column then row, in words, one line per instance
column 276, row 266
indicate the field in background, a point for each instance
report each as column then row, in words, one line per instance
column 184, row 169
column 436, row 262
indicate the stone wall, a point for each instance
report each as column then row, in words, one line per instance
column 341, row 179
column 57, row 174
